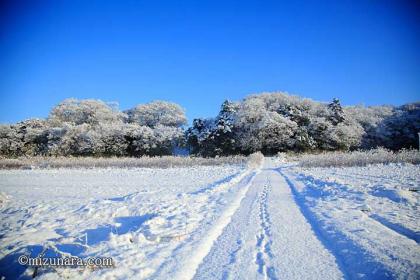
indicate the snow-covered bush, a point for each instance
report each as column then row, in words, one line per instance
column 4, row 198
column 255, row 160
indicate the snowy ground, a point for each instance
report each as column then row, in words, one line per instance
column 226, row 222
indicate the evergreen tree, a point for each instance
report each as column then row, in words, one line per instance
column 197, row 136
column 214, row 137
column 336, row 112
column 223, row 133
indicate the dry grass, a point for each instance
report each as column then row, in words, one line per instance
column 359, row 158
column 117, row 162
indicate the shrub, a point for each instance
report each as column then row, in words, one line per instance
column 255, row 160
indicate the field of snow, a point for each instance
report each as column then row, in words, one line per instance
column 367, row 216
column 278, row 221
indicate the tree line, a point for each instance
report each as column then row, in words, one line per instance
column 268, row 122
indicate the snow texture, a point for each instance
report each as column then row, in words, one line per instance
column 271, row 221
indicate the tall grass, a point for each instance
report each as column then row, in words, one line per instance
column 359, row 158
column 117, row 162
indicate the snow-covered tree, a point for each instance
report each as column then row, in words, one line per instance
column 370, row 119
column 88, row 111
column 343, row 136
column 224, row 136
column 34, row 138
column 141, row 140
column 157, row 113
column 111, row 139
column 220, row 140
column 249, row 115
column 54, row 137
column 11, row 142
column 273, row 122
column 400, row 129
column 167, row 138
column 198, row 136
column 24, row 138
column 336, row 115
column 303, row 140
column 79, row 140
column 269, row 122
column 276, row 133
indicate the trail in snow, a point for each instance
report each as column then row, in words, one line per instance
column 206, row 244
column 415, row 236
column 264, row 238
column 268, row 238
column 222, row 201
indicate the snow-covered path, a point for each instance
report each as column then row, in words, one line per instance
column 268, row 238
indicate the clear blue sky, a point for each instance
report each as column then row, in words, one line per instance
column 198, row 53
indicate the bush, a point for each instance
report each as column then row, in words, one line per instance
column 255, row 160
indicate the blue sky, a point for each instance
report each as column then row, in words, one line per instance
column 198, row 53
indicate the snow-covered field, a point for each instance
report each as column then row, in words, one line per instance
column 279, row 221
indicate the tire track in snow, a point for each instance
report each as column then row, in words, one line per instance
column 360, row 238
column 197, row 257
column 353, row 260
column 264, row 241
column 220, row 184
column 185, row 253
column 275, row 240
column 298, row 253
column 235, row 247
column 383, row 221
column 396, row 228
column 355, row 194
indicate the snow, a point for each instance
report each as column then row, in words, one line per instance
column 268, row 238
column 368, row 215
column 95, row 212
column 276, row 221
